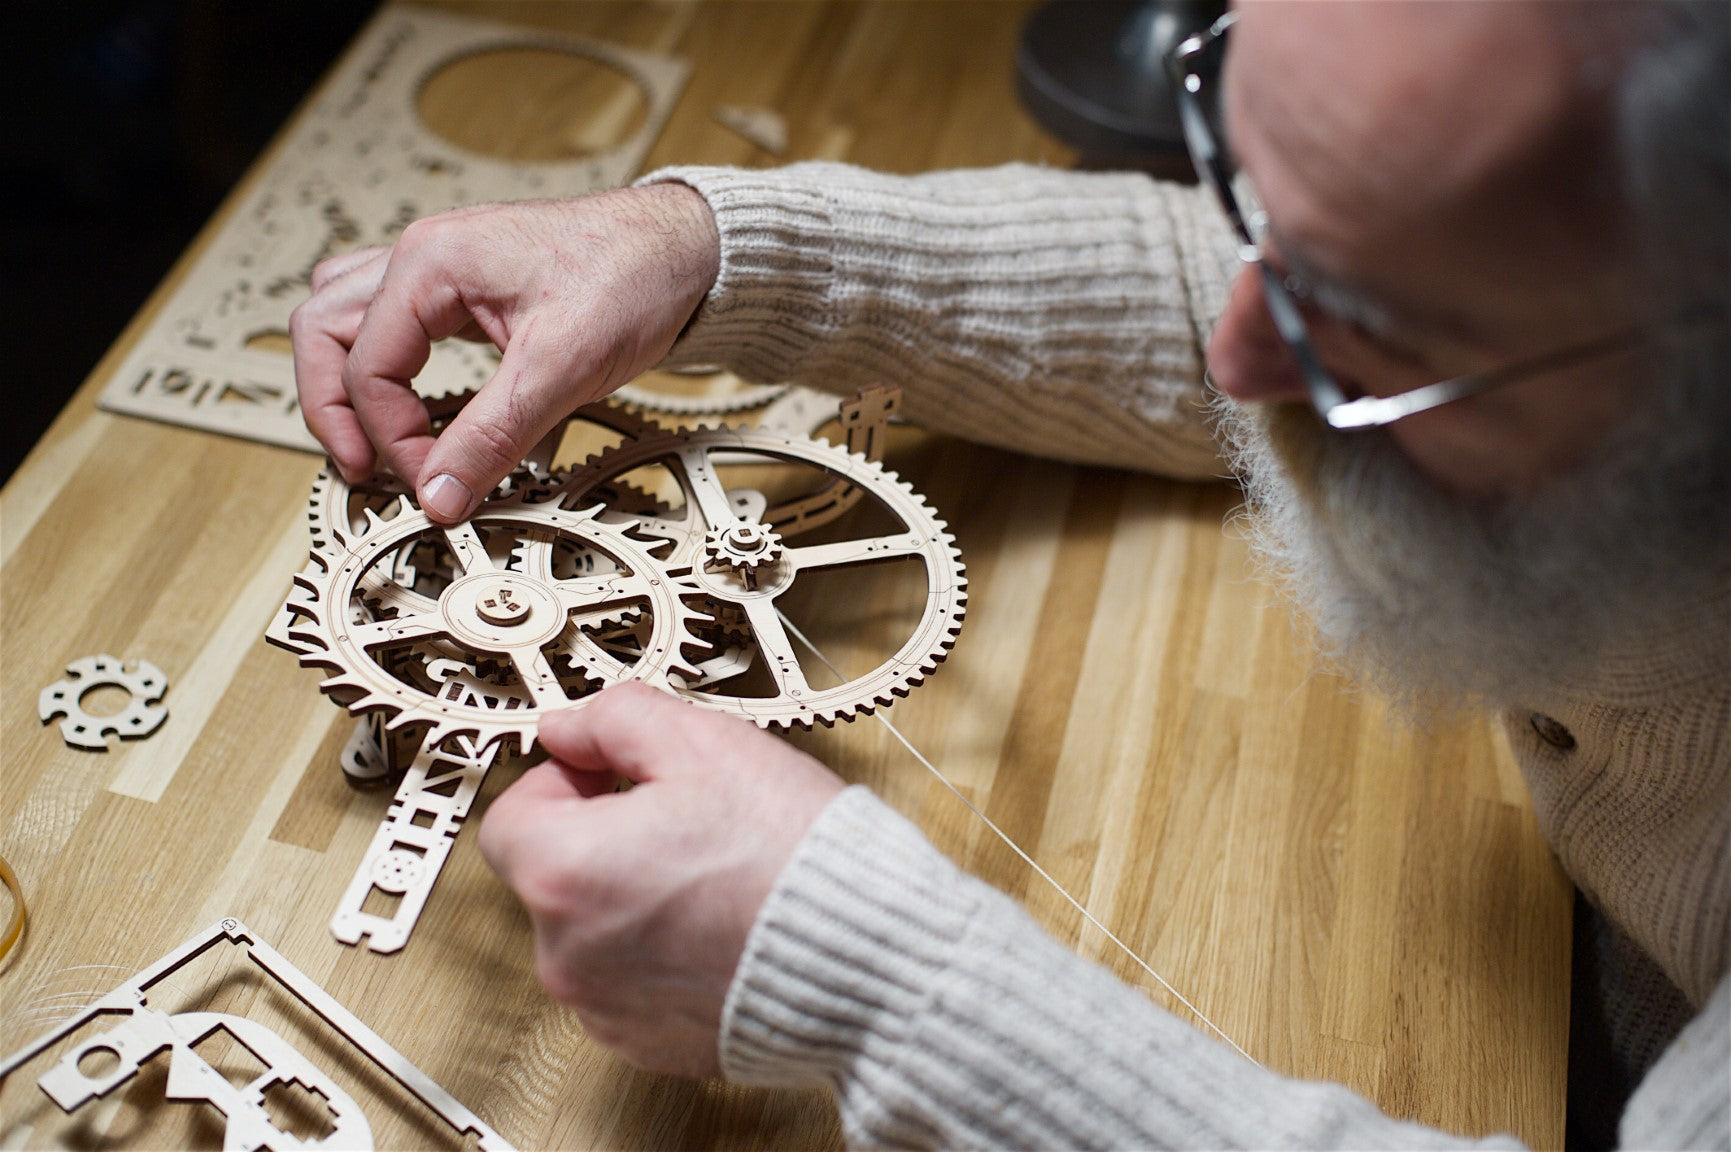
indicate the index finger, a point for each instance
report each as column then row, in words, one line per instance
column 322, row 329
column 416, row 305
column 638, row 732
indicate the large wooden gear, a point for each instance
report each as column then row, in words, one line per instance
column 737, row 548
column 559, row 586
column 385, row 643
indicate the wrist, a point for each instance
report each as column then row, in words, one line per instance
column 694, row 241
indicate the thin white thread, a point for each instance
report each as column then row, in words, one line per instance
column 1017, row 849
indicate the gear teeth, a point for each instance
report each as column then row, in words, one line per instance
column 754, row 396
column 682, row 611
column 143, row 714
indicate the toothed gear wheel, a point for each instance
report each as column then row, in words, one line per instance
column 332, row 497
column 492, row 614
column 143, row 682
column 691, row 457
column 743, row 546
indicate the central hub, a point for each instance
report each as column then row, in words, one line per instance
column 747, row 539
column 495, row 611
column 743, row 559
column 501, row 604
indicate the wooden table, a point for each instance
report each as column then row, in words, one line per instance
column 1348, row 897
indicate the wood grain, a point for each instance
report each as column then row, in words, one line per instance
column 1348, row 895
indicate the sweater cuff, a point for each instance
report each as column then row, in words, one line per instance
column 771, row 298
column 845, row 951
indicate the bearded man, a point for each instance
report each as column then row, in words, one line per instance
column 1474, row 370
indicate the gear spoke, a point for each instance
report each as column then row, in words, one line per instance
column 776, row 648
column 537, row 673
column 704, row 487
column 581, row 593
column 379, row 589
column 466, row 546
column 399, row 630
column 862, row 551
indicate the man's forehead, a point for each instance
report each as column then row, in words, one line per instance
column 1361, row 122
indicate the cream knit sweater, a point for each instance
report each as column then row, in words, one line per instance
column 1065, row 314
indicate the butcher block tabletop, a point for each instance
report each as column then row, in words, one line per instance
column 1347, row 894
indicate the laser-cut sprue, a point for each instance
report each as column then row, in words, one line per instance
column 354, row 171
column 145, row 1031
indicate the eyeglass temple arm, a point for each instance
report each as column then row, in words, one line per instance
column 1373, row 411
column 1325, row 394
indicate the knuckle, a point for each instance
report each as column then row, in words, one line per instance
column 428, row 238
column 565, row 982
column 322, row 273
column 550, row 973
column 302, row 322
column 417, row 232
column 493, row 447
column 550, row 894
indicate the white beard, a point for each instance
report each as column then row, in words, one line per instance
column 1429, row 597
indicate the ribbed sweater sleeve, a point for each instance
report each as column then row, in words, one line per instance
column 1056, row 313
column 943, row 1017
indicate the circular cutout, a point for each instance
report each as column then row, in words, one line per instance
column 105, row 699
column 397, row 870
column 275, row 341
column 532, row 105
column 99, row 1063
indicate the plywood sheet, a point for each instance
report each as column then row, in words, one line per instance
column 359, row 165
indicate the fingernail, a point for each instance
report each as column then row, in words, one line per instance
column 446, row 497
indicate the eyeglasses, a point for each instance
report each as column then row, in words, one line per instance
column 1194, row 65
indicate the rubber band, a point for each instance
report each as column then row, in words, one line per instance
column 15, row 930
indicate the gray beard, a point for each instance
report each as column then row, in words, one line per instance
column 1623, row 565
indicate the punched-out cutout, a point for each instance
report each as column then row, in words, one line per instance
column 265, row 1090
column 361, row 164
column 142, row 682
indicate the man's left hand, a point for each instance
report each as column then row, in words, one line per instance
column 641, row 900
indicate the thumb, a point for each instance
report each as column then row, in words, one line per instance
column 493, row 434
column 635, row 731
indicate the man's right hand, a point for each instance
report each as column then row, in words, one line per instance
column 579, row 295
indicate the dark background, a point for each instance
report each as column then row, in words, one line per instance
column 126, row 125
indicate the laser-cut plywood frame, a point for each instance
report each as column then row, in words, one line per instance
column 143, row 1031
column 357, row 168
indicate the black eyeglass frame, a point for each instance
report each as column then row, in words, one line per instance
column 1183, row 65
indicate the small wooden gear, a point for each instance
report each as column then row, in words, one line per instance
column 143, row 714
